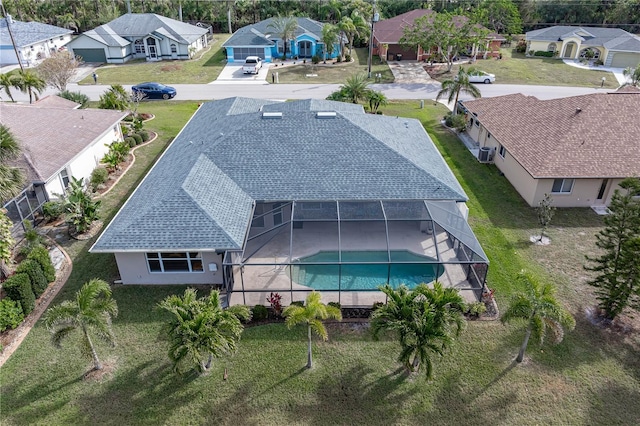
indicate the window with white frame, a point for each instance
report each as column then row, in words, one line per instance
column 174, row 49
column 562, row 186
column 64, row 178
column 139, row 45
column 502, row 151
column 174, row 262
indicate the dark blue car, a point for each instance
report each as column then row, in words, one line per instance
column 154, row 91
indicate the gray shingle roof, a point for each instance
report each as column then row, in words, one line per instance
column 28, row 33
column 611, row 38
column 258, row 34
column 200, row 193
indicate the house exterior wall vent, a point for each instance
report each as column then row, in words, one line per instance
column 326, row 114
column 271, row 115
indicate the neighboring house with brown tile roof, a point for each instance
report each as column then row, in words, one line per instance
column 56, row 143
column 387, row 34
column 614, row 47
column 577, row 148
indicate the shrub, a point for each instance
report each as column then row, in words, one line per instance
column 335, row 305
column 376, row 305
column 77, row 97
column 128, row 118
column 347, row 58
column 52, row 210
column 80, row 210
column 476, row 308
column 275, row 299
column 339, row 58
column 130, row 141
column 10, row 314
column 521, row 47
column 144, row 135
column 31, row 238
column 41, row 255
column 260, row 313
column 137, row 137
column 298, row 303
column 457, row 121
column 99, row 176
column 18, row 288
column 315, row 59
column 36, row 276
column 543, row 53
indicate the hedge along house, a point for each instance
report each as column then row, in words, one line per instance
column 58, row 141
column 261, row 40
column 34, row 41
column 140, row 36
column 577, row 148
column 256, row 196
column 612, row 46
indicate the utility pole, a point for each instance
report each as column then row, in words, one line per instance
column 13, row 40
column 375, row 17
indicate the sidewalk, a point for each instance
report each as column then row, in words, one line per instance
column 617, row 72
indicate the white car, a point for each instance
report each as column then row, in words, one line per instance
column 481, row 77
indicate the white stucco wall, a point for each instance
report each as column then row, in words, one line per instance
column 134, row 270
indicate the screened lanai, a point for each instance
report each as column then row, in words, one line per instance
column 347, row 249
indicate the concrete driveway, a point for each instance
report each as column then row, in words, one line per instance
column 232, row 74
column 410, row 72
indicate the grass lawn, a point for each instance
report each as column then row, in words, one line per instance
column 593, row 377
column 516, row 68
column 204, row 68
column 330, row 73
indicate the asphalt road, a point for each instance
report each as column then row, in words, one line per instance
column 320, row 91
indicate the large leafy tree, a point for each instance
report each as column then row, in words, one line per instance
column 311, row 314
column 90, row 312
column 449, row 34
column 617, row 269
column 11, row 178
column 200, row 329
column 538, row 307
column 501, row 16
column 285, row 26
column 58, row 69
column 452, row 88
column 425, row 321
column 31, row 83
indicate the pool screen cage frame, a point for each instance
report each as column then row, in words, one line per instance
column 284, row 237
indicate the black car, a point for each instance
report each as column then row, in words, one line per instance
column 154, row 91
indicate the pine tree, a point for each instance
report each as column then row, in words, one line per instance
column 617, row 281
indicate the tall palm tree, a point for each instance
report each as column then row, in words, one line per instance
column 91, row 312
column 347, row 28
column 11, row 178
column 538, row 306
column 311, row 314
column 200, row 329
column 30, row 82
column 425, row 321
column 329, row 37
column 285, row 26
column 9, row 81
column 460, row 83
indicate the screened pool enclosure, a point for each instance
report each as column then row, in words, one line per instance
column 347, row 249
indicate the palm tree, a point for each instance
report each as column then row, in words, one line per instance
column 91, row 311
column 329, row 36
column 633, row 74
column 354, row 90
column 538, row 306
column 346, row 27
column 312, row 314
column 200, row 329
column 424, row 319
column 7, row 82
column 11, row 178
column 460, row 83
column 285, row 26
column 376, row 100
column 30, row 82
column 116, row 97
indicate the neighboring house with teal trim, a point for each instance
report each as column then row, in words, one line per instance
column 612, row 46
column 34, row 41
column 259, row 39
column 139, row 36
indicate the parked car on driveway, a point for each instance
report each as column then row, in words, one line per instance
column 478, row 76
column 154, row 91
column 252, row 65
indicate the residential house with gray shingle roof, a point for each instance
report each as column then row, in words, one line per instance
column 261, row 40
column 614, row 47
column 140, row 36
column 34, row 41
column 577, row 148
column 58, row 141
column 257, row 196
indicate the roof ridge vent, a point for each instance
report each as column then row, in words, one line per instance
column 326, row 114
column 270, row 114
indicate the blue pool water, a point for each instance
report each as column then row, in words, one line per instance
column 353, row 277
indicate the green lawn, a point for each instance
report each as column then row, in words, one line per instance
column 204, row 68
column 333, row 73
column 516, row 68
column 591, row 378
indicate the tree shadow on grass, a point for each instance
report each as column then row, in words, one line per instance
column 614, row 405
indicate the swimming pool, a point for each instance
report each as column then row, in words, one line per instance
column 365, row 276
